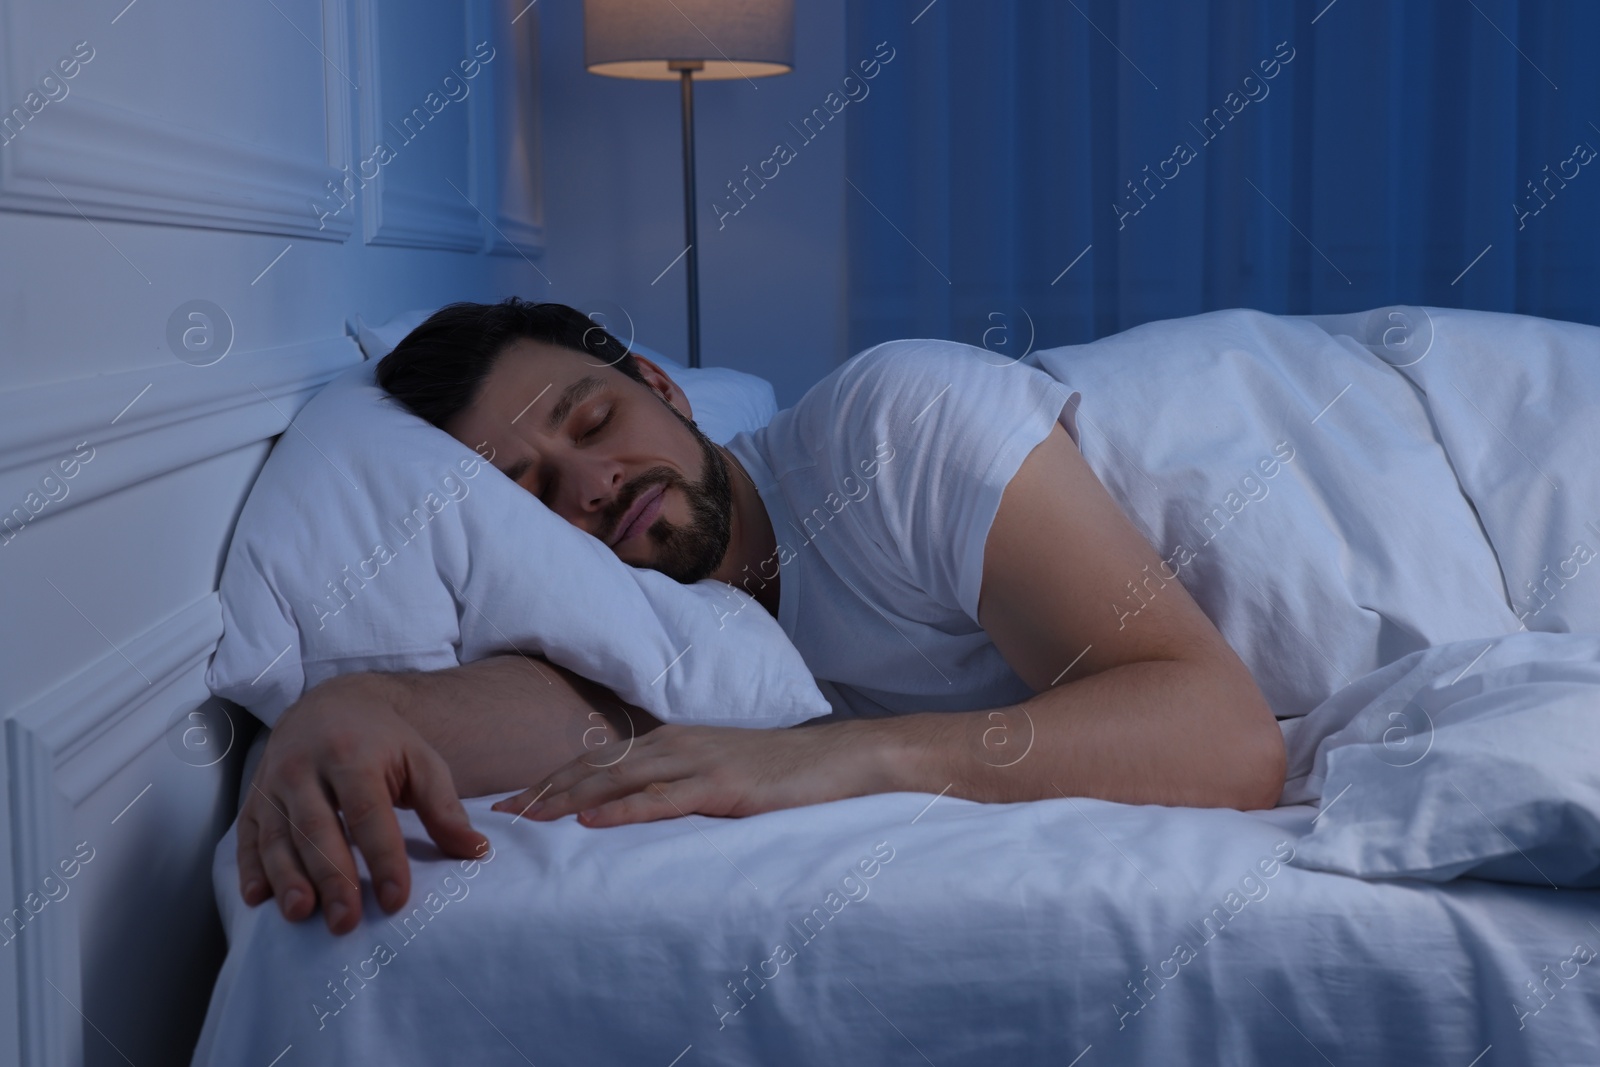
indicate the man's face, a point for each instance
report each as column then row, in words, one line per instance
column 615, row 457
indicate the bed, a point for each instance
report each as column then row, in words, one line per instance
column 1406, row 588
column 1033, row 933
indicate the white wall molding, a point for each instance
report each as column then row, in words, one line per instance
column 61, row 747
column 516, row 237
column 510, row 157
column 47, row 949
column 112, row 162
column 407, row 214
column 411, row 218
column 70, row 719
column 116, row 164
column 170, row 417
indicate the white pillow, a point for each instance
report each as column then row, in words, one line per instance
column 379, row 341
column 1474, row 758
column 375, row 541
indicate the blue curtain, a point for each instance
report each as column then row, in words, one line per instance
column 1058, row 170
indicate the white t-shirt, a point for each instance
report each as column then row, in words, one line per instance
column 882, row 483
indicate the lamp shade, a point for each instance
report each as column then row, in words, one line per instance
column 732, row 38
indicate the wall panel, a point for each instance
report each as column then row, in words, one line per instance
column 229, row 134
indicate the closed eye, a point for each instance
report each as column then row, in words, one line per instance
column 597, row 427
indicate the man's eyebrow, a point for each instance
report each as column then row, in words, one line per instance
column 574, row 394
column 517, row 470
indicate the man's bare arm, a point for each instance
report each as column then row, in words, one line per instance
column 508, row 720
column 1146, row 707
column 372, row 742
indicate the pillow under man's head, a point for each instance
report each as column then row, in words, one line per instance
column 603, row 437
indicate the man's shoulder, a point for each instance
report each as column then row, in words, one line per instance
column 895, row 381
column 915, row 357
column 929, row 395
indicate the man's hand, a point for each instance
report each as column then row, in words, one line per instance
column 344, row 748
column 713, row 770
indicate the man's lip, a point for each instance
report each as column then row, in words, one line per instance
column 634, row 511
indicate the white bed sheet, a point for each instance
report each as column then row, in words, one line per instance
column 995, row 934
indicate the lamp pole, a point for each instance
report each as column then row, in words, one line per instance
column 686, row 69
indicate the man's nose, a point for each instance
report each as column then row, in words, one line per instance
column 596, row 483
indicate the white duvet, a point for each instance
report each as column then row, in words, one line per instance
column 1440, row 720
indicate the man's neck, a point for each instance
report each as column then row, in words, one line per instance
column 751, row 562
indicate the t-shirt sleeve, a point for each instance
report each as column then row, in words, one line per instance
column 948, row 426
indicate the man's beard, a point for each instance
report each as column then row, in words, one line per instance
column 692, row 551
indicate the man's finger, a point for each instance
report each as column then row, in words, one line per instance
column 570, row 774
column 253, row 884
column 532, row 800
column 281, row 862
column 369, row 813
column 522, row 803
column 612, row 783
column 643, row 761
column 320, row 842
column 647, row 805
column 431, row 793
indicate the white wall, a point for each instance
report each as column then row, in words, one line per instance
column 180, row 163
column 772, row 282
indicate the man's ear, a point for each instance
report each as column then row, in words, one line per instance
column 664, row 387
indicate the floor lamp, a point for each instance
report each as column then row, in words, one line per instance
column 663, row 40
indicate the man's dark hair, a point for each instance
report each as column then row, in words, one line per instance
column 437, row 370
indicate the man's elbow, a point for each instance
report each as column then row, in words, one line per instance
column 1262, row 764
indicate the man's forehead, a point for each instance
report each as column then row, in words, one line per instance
column 531, row 390
column 528, row 370
column 525, row 357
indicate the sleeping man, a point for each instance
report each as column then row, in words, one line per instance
column 921, row 524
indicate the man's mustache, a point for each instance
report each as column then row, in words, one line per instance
column 630, row 492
